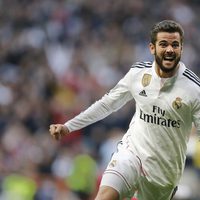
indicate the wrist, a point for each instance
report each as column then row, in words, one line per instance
column 66, row 129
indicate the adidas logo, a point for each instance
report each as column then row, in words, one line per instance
column 143, row 93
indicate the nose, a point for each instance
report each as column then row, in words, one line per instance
column 169, row 48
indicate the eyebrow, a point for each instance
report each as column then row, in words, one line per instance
column 167, row 41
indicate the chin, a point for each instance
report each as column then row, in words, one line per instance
column 169, row 65
column 168, row 68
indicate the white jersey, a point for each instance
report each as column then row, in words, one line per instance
column 160, row 128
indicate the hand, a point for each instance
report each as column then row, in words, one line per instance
column 58, row 131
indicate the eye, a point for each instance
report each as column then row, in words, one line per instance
column 175, row 45
column 163, row 44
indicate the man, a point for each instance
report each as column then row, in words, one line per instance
column 151, row 156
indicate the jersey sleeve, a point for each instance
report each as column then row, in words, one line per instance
column 196, row 117
column 110, row 102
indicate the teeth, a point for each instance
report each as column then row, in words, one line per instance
column 169, row 58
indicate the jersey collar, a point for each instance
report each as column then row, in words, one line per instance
column 171, row 80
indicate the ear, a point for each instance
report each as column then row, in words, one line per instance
column 152, row 48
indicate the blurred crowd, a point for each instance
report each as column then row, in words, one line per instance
column 56, row 59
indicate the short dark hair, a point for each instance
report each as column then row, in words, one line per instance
column 169, row 26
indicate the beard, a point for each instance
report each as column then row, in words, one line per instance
column 159, row 61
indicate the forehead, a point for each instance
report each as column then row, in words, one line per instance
column 166, row 36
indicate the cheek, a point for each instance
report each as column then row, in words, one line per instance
column 179, row 53
column 158, row 51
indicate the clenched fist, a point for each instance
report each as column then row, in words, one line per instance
column 57, row 131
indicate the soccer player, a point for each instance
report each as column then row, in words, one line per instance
column 151, row 156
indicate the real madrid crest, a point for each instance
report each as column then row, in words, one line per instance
column 177, row 103
column 146, row 79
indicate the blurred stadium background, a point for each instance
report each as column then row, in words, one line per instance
column 58, row 57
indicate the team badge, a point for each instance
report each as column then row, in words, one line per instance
column 146, row 79
column 177, row 104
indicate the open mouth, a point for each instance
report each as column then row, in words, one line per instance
column 169, row 58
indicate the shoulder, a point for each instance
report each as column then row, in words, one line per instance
column 138, row 69
column 142, row 65
column 191, row 84
column 191, row 78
